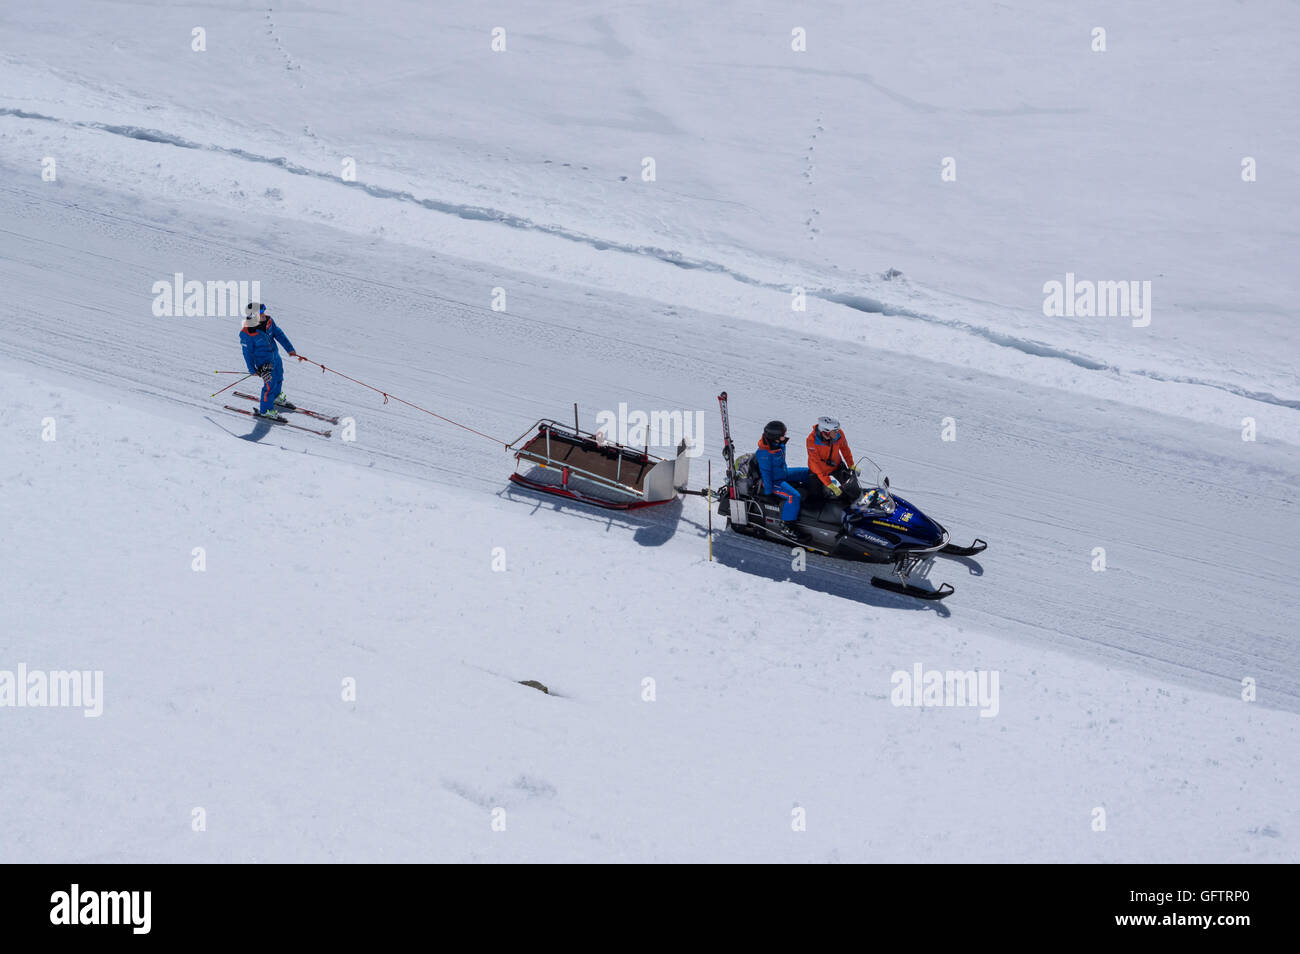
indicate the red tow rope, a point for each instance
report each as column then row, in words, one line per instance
column 464, row 427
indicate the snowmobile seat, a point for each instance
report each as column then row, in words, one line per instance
column 831, row 511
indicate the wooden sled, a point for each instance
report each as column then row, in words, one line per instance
column 596, row 471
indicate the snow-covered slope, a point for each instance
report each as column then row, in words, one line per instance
column 373, row 559
column 819, row 169
column 223, row 689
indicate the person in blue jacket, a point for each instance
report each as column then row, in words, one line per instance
column 777, row 477
column 259, row 337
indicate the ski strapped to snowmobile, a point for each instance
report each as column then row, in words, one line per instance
column 872, row 526
column 627, row 478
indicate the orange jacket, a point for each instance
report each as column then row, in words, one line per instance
column 823, row 458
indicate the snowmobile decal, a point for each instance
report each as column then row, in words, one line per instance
column 871, row 538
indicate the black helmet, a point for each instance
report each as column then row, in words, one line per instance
column 774, row 433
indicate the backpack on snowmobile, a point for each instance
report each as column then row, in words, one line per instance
column 748, row 478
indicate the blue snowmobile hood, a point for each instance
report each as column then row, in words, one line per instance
column 906, row 524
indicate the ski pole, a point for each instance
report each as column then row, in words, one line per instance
column 231, row 384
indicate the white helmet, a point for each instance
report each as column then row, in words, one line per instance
column 828, row 428
column 253, row 313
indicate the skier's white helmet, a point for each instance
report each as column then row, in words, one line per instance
column 253, row 313
column 828, row 428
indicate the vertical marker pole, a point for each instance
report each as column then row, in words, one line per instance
column 708, row 500
column 575, row 418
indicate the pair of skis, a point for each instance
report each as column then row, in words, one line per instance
column 280, row 422
column 728, row 448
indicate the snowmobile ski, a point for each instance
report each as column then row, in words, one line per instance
column 916, row 592
column 291, row 408
column 979, row 546
column 277, row 421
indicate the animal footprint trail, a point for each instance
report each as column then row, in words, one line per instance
column 290, row 64
column 809, row 169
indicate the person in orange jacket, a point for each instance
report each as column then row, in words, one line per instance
column 828, row 450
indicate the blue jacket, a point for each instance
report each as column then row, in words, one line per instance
column 259, row 346
column 771, row 464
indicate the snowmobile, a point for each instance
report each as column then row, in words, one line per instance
column 871, row 525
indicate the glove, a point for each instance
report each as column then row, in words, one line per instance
column 264, row 372
column 833, row 488
column 857, row 469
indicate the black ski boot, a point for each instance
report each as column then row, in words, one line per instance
column 790, row 531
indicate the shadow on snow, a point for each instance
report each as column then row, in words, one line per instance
column 653, row 527
column 850, row 581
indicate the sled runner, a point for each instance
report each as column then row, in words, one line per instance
column 596, row 471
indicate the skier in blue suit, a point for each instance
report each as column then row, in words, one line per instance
column 777, row 477
column 259, row 337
